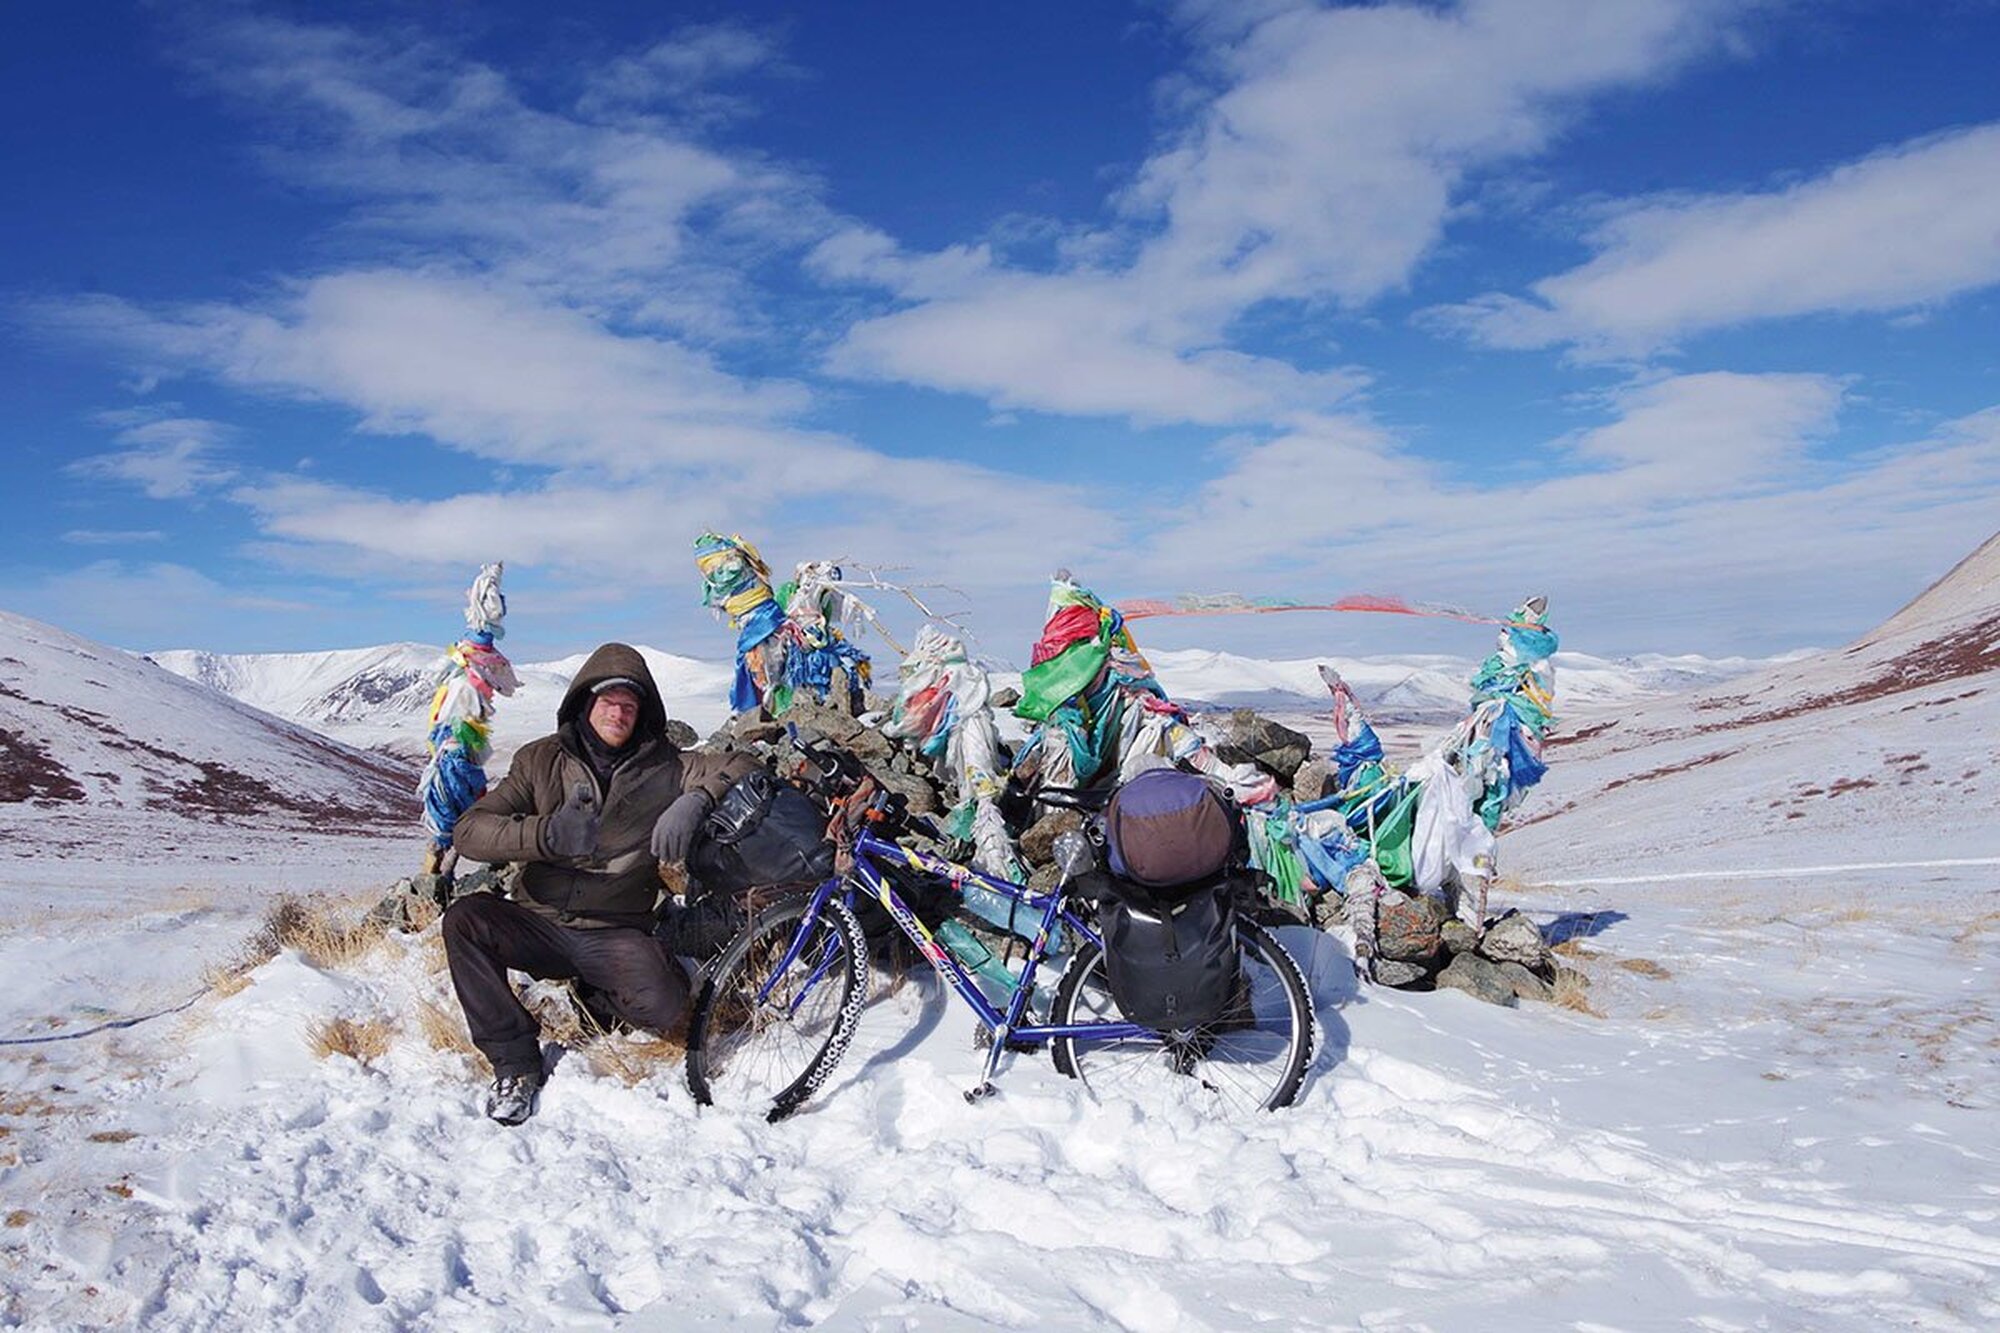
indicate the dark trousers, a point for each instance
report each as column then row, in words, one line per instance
column 485, row 935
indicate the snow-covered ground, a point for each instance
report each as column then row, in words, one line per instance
column 1785, row 1113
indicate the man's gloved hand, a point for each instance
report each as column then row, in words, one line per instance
column 674, row 832
column 572, row 830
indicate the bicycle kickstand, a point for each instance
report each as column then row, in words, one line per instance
column 984, row 1088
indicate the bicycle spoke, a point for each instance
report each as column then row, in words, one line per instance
column 767, row 1032
column 1252, row 1056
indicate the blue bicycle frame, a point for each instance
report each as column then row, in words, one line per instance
column 1005, row 1025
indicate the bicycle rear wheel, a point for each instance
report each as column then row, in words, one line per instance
column 1252, row 1057
column 762, row 1038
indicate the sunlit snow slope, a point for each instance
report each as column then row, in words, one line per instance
column 108, row 758
column 380, row 697
column 1879, row 751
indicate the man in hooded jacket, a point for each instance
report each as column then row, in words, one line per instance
column 590, row 811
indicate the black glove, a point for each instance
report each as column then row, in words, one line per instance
column 572, row 830
column 674, row 832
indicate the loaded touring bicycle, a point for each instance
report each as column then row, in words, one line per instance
column 783, row 1000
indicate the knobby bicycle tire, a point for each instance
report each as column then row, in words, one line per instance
column 741, row 1052
column 1254, row 1055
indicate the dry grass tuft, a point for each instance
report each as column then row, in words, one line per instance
column 1645, row 967
column 628, row 1056
column 1968, row 937
column 443, row 1029
column 631, row 1059
column 1854, row 914
column 363, row 1041
column 1574, row 949
column 113, row 1136
column 313, row 928
column 433, row 954
column 27, row 1103
column 226, row 979
column 1573, row 992
column 420, row 913
column 20, row 1217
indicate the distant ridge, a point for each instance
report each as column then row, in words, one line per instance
column 1891, row 734
column 98, row 747
column 1969, row 589
column 379, row 697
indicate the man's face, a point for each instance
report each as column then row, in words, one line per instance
column 613, row 715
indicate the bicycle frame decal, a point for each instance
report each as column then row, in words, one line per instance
column 949, row 969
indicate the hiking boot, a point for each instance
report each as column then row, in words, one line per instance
column 513, row 1098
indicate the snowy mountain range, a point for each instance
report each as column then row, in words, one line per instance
column 379, row 697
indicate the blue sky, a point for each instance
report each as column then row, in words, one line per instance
column 1682, row 311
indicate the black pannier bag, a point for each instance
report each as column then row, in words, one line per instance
column 762, row 832
column 1172, row 965
column 1168, row 919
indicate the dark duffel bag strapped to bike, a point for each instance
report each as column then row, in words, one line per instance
column 1168, row 912
column 1165, row 828
column 763, row 831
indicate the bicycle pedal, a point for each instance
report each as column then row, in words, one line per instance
column 980, row 1093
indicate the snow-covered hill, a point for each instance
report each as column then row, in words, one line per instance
column 1423, row 689
column 1882, row 750
column 105, row 757
column 379, row 697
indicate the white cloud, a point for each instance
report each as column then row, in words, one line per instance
column 1690, row 437
column 471, row 363
column 598, row 208
column 1703, row 513
column 1323, row 169
column 148, row 604
column 681, row 74
column 1915, row 224
column 112, row 537
column 167, row 457
column 1081, row 345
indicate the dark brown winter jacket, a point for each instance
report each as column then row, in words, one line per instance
column 618, row 884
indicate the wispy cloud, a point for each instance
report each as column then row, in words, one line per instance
column 1914, row 224
column 616, row 206
column 1321, row 167
column 112, row 537
column 146, row 604
column 685, row 75
column 471, row 362
column 1698, row 507
column 167, row 457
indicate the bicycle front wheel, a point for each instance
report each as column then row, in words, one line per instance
column 1252, row 1057
column 766, row 1033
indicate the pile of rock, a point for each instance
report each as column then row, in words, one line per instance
column 1420, row 946
column 894, row 764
